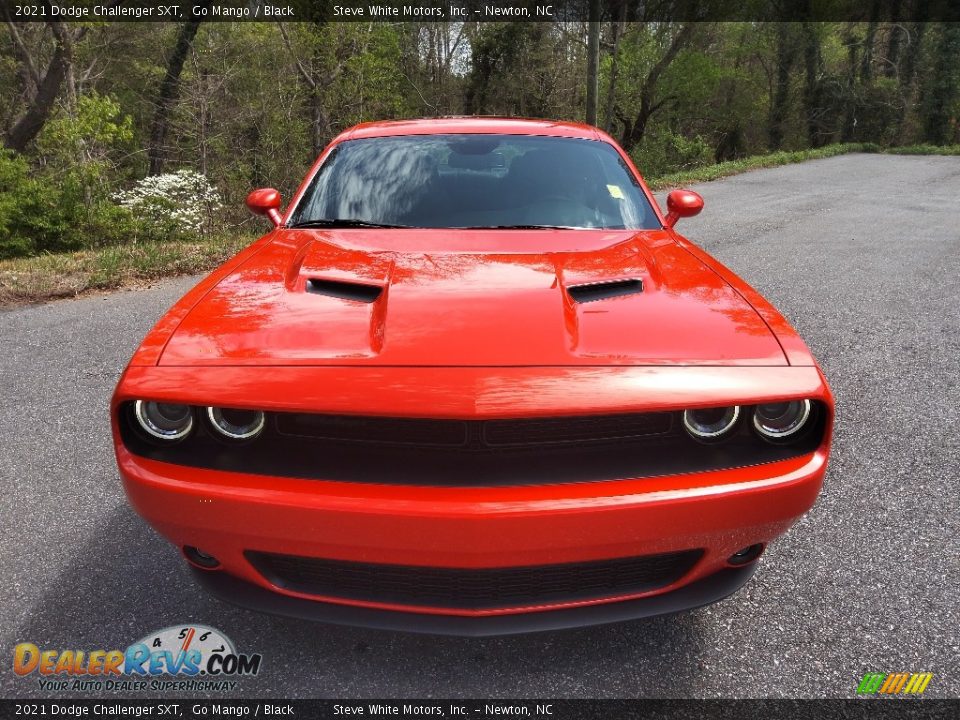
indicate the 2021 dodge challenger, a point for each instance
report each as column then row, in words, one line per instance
column 472, row 382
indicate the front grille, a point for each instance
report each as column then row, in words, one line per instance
column 374, row 430
column 549, row 431
column 473, row 434
column 468, row 453
column 469, row 588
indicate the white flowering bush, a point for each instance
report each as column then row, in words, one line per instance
column 173, row 203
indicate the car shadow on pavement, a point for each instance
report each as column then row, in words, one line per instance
column 128, row 581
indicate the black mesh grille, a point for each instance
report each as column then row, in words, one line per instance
column 485, row 588
column 537, row 431
column 478, row 434
column 462, row 453
column 356, row 428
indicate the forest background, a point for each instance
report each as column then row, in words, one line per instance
column 129, row 147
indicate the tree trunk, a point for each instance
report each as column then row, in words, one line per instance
column 786, row 51
column 633, row 132
column 850, row 113
column 169, row 91
column 38, row 111
column 891, row 66
column 942, row 89
column 866, row 59
column 619, row 27
column 593, row 62
column 811, row 91
column 27, row 72
column 908, row 72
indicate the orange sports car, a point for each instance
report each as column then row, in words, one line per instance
column 472, row 382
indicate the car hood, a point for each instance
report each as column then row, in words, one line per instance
column 472, row 298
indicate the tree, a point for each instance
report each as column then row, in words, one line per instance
column 48, row 87
column 941, row 91
column 593, row 62
column 908, row 72
column 170, row 88
column 618, row 27
column 786, row 54
column 813, row 90
column 635, row 126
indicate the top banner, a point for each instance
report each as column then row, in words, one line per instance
column 320, row 11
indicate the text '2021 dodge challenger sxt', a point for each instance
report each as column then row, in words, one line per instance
column 472, row 382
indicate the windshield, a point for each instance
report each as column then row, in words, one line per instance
column 475, row 181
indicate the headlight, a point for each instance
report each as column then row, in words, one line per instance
column 236, row 424
column 711, row 423
column 778, row 421
column 164, row 421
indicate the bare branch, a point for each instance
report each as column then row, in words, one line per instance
column 422, row 98
column 303, row 71
column 23, row 52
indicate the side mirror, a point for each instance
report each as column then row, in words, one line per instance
column 682, row 203
column 266, row 201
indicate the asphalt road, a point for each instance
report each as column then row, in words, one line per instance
column 861, row 253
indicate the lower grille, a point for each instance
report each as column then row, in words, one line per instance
column 469, row 588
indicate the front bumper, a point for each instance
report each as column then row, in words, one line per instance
column 229, row 514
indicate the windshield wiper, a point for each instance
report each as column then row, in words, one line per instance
column 342, row 223
column 521, row 227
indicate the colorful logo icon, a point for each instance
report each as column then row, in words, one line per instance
column 894, row 683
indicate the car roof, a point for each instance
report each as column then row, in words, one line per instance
column 472, row 124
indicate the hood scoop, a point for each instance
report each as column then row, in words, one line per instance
column 604, row 290
column 345, row 290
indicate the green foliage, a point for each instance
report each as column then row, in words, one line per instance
column 521, row 69
column 15, row 196
column 926, row 150
column 62, row 205
column 940, row 102
column 32, row 217
column 667, row 152
column 755, row 162
column 80, row 145
column 38, row 216
column 258, row 101
column 89, row 134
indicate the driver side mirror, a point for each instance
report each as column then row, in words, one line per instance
column 266, row 201
column 682, row 203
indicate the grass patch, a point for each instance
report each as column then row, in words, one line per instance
column 925, row 150
column 754, row 162
column 49, row 276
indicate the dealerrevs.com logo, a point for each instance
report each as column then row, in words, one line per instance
column 180, row 657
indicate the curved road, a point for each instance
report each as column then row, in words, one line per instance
column 860, row 252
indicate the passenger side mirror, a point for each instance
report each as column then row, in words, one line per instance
column 266, row 201
column 682, row 203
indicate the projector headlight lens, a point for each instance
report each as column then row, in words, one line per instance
column 164, row 421
column 778, row 421
column 711, row 423
column 236, row 424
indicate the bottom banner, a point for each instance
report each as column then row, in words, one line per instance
column 545, row 709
